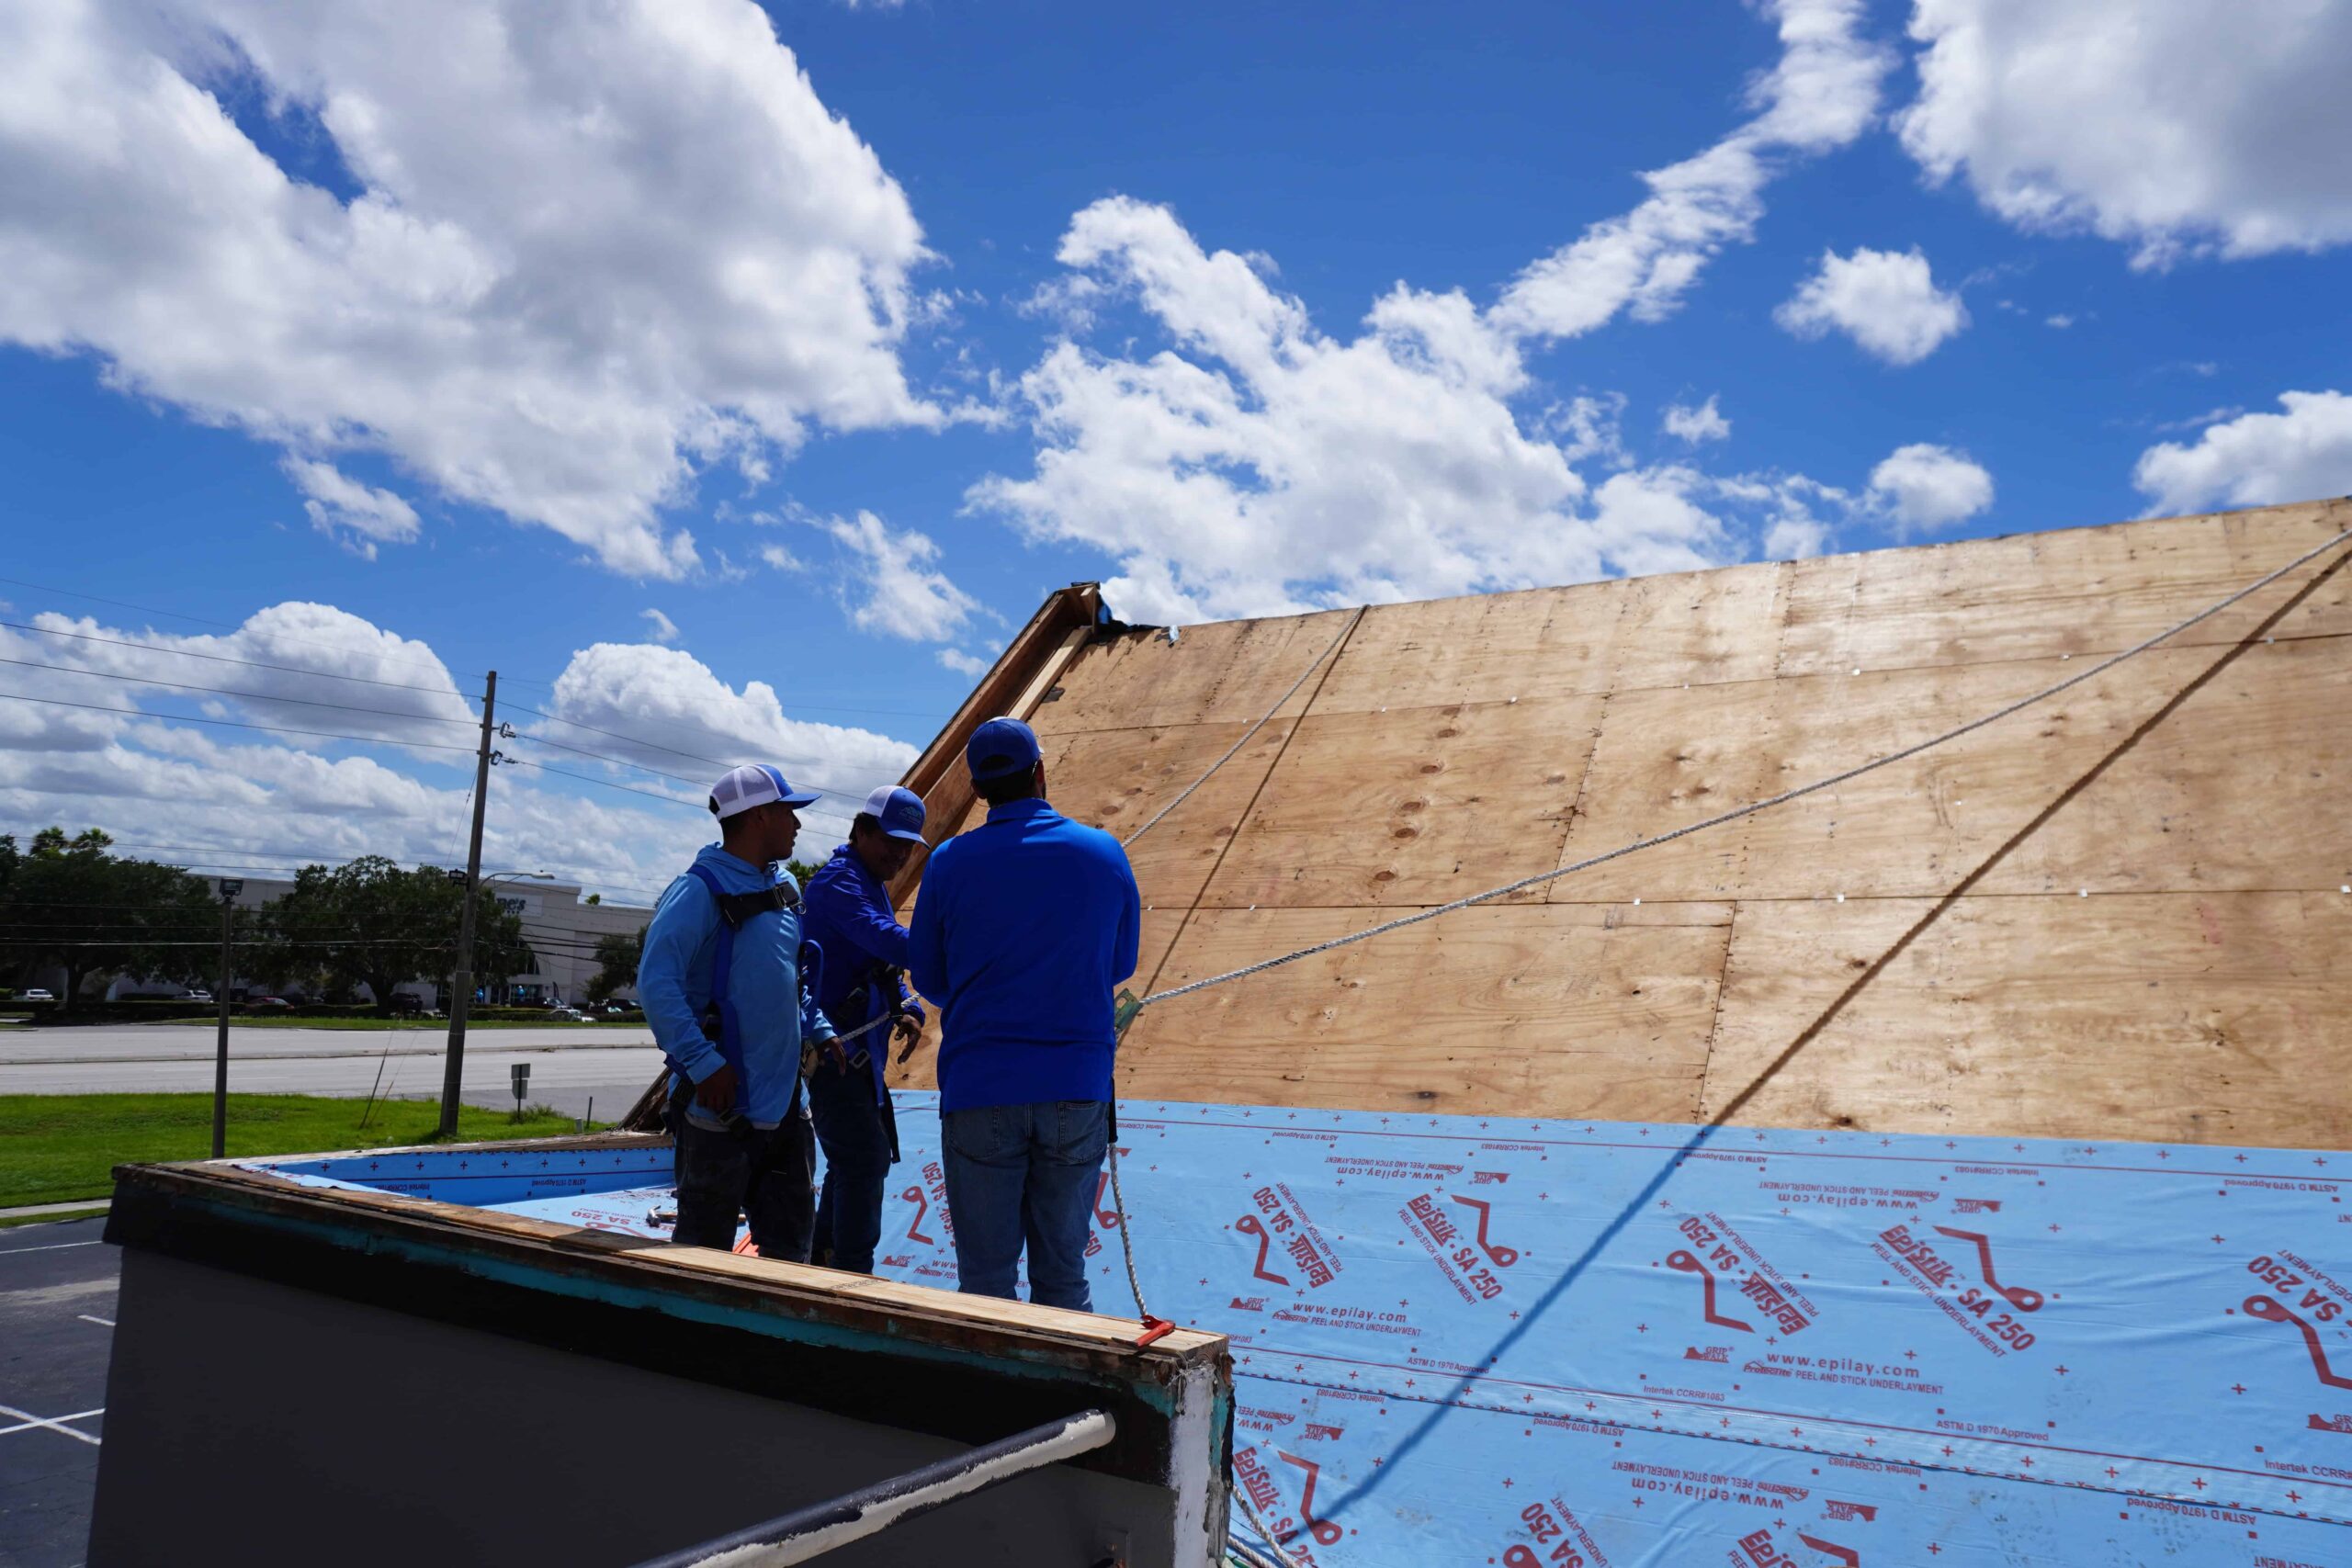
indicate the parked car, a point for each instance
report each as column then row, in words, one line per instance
column 197, row 995
column 569, row 1015
column 37, row 994
column 268, row 1003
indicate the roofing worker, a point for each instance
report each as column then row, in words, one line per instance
column 1026, row 926
column 849, row 918
column 721, row 985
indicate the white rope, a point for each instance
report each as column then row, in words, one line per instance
column 1253, row 729
column 1832, row 781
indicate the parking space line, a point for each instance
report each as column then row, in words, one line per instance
column 26, row 1419
column 101, row 1321
column 52, row 1247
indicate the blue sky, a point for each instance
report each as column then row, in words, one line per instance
column 365, row 339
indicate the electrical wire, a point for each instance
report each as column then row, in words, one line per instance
column 227, row 659
column 247, row 697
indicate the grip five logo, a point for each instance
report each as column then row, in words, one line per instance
column 1763, row 1553
column 1281, row 1219
column 2313, row 1307
column 1259, row 1483
column 1439, row 1233
column 930, row 1194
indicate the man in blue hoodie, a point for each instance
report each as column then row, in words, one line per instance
column 862, row 988
column 722, row 987
column 1025, row 927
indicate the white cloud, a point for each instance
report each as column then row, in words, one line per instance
column 2256, row 458
column 1260, row 466
column 594, row 260
column 962, row 663
column 2172, row 126
column 366, row 516
column 2060, row 320
column 1925, row 486
column 1885, row 300
column 673, row 714
column 1821, row 96
column 129, row 763
column 1704, row 422
column 899, row 590
column 658, row 627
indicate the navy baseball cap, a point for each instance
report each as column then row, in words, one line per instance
column 1002, row 748
column 899, row 810
column 755, row 783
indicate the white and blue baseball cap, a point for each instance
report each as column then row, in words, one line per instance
column 900, row 811
column 752, row 784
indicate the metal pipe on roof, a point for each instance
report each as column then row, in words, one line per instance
column 810, row 1532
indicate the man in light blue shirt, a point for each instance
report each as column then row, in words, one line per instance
column 722, row 987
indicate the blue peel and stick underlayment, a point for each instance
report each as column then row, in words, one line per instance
column 1612, row 1345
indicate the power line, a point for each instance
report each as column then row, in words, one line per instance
column 225, row 659
column 204, row 621
column 231, row 724
column 225, row 692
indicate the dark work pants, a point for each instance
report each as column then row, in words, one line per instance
column 766, row 1174
column 848, row 1118
column 1025, row 1178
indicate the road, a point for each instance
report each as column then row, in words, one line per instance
column 569, row 1066
column 57, row 1296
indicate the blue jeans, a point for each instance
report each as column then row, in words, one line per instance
column 1025, row 1173
column 857, row 1141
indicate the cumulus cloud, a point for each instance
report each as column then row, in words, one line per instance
column 342, row 508
column 898, row 589
column 658, row 627
column 1704, row 422
column 1821, row 95
column 2172, row 126
column 1885, row 300
column 127, row 758
column 2256, row 458
column 670, row 712
column 1259, row 465
column 962, row 663
column 558, row 283
column 1924, row 486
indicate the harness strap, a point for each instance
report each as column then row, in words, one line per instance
column 734, row 909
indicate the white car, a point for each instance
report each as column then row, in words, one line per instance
column 193, row 996
column 38, row 994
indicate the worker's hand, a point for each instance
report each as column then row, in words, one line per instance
column 907, row 1027
column 715, row 1093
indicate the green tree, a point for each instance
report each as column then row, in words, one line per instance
column 69, row 902
column 617, row 956
column 371, row 923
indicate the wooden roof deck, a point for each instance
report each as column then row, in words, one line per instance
column 2163, row 958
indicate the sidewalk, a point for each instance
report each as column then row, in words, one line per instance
column 34, row 1211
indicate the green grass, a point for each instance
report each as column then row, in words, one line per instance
column 10, row 1222
column 58, row 1147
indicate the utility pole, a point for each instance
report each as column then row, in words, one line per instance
column 230, row 888
column 453, row 1069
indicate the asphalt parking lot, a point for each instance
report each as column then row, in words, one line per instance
column 57, row 1308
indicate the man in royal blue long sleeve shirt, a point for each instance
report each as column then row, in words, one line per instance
column 862, row 986
column 1024, row 928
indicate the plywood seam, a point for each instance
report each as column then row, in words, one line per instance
column 1242, row 820
column 1715, row 1024
column 1767, row 680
